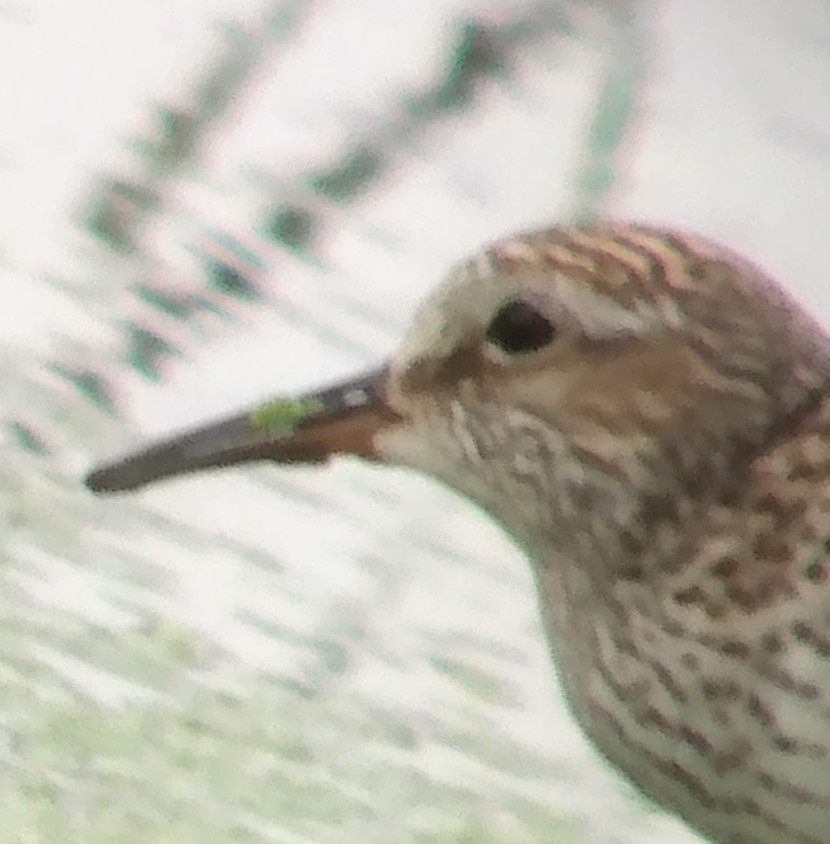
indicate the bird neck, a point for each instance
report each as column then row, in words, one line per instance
column 615, row 506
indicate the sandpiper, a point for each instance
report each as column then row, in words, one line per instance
column 649, row 415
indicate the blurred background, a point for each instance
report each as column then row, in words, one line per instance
column 204, row 202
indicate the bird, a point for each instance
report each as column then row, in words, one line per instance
column 647, row 413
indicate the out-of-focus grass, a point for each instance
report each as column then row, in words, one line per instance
column 216, row 768
column 167, row 740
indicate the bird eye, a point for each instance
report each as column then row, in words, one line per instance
column 519, row 327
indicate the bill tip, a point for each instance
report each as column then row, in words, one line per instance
column 105, row 480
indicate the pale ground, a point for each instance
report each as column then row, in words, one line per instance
column 350, row 655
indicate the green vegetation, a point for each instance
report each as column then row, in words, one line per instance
column 282, row 415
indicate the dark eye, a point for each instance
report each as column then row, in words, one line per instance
column 519, row 327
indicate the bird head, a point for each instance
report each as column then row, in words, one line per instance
column 577, row 382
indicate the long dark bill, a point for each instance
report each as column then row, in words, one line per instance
column 342, row 419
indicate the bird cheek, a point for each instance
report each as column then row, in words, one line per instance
column 422, row 439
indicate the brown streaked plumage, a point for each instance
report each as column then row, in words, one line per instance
column 650, row 416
